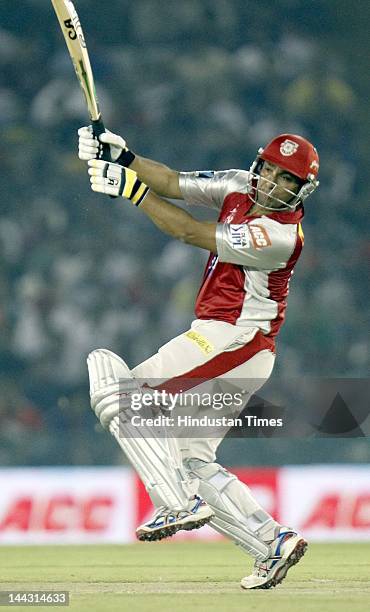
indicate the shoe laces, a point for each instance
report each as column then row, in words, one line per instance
column 260, row 569
column 167, row 516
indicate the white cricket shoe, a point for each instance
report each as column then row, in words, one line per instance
column 286, row 550
column 166, row 522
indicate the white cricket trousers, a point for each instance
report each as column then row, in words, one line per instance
column 211, row 350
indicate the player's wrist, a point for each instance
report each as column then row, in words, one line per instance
column 125, row 158
column 133, row 188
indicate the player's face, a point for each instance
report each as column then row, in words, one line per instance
column 276, row 184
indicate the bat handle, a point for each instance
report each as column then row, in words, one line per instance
column 98, row 128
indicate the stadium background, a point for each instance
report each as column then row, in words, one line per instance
column 197, row 85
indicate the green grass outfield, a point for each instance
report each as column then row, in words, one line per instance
column 179, row 577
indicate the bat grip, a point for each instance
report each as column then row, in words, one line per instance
column 98, row 128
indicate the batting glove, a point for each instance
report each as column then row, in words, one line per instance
column 115, row 180
column 91, row 147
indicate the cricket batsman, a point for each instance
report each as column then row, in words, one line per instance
column 240, row 307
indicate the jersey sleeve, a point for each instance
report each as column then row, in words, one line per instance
column 262, row 244
column 210, row 188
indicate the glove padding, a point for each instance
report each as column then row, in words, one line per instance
column 90, row 147
column 115, row 180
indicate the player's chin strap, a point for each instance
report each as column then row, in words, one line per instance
column 254, row 187
column 154, row 456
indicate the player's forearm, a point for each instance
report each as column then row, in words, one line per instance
column 176, row 222
column 161, row 179
column 116, row 180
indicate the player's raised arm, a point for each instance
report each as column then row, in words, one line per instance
column 115, row 180
column 258, row 243
column 159, row 177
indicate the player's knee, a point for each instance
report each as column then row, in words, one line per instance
column 111, row 385
column 105, row 404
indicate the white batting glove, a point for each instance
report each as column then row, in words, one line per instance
column 115, row 180
column 90, row 147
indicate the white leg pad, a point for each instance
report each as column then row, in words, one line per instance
column 111, row 384
column 237, row 514
column 156, row 459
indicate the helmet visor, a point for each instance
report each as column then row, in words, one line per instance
column 269, row 195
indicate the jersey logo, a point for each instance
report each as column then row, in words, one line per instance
column 231, row 214
column 203, row 343
column 240, row 236
column 288, row 147
column 206, row 174
column 260, row 237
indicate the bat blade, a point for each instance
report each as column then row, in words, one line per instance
column 75, row 40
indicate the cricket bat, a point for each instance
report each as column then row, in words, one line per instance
column 73, row 35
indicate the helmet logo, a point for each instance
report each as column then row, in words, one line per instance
column 288, row 147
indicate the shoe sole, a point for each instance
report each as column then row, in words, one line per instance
column 157, row 534
column 168, row 531
column 293, row 558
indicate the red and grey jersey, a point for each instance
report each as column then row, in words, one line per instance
column 247, row 282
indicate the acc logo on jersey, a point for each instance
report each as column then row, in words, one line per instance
column 240, row 236
column 260, row 237
column 288, row 147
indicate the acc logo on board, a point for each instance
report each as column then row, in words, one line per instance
column 288, row 147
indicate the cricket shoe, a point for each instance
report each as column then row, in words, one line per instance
column 166, row 522
column 286, row 550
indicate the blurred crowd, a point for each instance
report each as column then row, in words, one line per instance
column 196, row 85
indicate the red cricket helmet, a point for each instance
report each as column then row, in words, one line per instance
column 293, row 153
